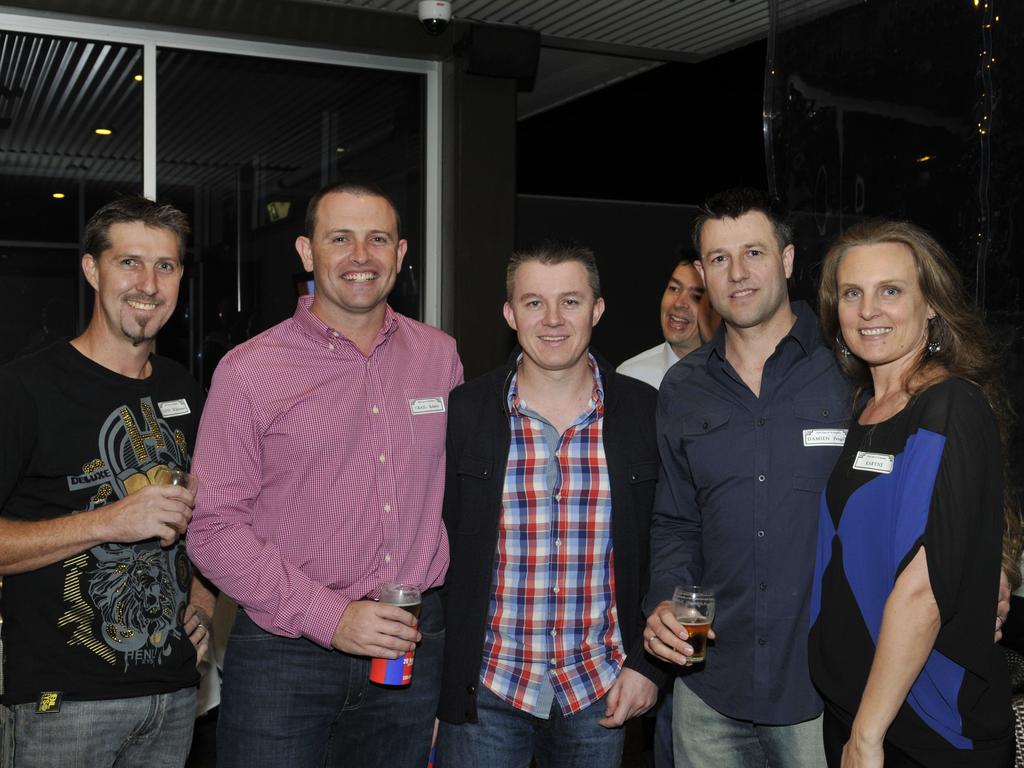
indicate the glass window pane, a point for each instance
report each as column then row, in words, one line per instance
column 242, row 144
column 70, row 139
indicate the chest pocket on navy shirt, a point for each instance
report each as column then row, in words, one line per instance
column 706, row 435
column 816, row 461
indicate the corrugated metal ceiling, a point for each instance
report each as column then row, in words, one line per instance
column 688, row 30
column 588, row 44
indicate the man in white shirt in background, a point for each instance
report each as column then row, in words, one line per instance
column 687, row 321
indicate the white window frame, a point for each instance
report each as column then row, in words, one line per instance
column 150, row 39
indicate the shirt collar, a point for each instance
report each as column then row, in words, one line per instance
column 596, row 396
column 804, row 331
column 668, row 357
column 318, row 330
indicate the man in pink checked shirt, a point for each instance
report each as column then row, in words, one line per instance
column 321, row 458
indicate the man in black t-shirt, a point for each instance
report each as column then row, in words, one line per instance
column 103, row 618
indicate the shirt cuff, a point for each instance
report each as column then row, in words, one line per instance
column 323, row 616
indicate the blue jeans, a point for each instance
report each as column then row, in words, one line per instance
column 704, row 737
column 289, row 702
column 505, row 737
column 119, row 733
column 663, row 757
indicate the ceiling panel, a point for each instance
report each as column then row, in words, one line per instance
column 589, row 44
column 676, row 30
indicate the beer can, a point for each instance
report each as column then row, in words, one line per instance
column 397, row 672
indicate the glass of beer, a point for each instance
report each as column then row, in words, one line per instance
column 167, row 476
column 694, row 608
column 397, row 672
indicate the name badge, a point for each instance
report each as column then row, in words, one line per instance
column 874, row 462
column 824, row 437
column 423, row 405
column 169, row 408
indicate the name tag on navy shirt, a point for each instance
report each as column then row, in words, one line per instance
column 874, row 462
column 423, row 405
column 824, row 437
column 169, row 408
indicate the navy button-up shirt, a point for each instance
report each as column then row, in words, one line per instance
column 737, row 511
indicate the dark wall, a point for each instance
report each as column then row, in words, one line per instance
column 673, row 134
column 483, row 206
column 636, row 245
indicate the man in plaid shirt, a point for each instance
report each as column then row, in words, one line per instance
column 551, row 468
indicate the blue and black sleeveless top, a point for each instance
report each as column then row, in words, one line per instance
column 930, row 476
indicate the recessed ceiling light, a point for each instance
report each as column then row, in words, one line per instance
column 103, row 132
column 138, row 78
column 58, row 195
column 340, row 150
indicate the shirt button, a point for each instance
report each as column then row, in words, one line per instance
column 375, row 409
column 387, row 507
column 382, row 459
column 555, row 590
column 387, row 558
column 763, row 586
column 760, row 422
column 760, row 478
column 825, row 412
column 470, row 689
column 762, row 641
column 330, row 346
column 553, row 662
column 554, row 633
column 334, row 334
column 558, row 542
column 760, row 534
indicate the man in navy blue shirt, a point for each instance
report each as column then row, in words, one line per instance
column 749, row 427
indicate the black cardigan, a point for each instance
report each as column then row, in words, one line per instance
column 477, row 453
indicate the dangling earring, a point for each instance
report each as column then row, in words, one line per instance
column 843, row 349
column 934, row 347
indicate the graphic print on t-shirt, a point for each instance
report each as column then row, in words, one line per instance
column 126, row 601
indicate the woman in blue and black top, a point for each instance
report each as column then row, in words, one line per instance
column 912, row 521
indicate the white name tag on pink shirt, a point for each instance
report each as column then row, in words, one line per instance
column 874, row 462
column 169, row 408
column 824, row 437
column 423, row 405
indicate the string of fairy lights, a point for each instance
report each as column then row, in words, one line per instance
column 986, row 60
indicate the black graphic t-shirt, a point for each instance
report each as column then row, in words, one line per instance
column 75, row 436
column 930, row 476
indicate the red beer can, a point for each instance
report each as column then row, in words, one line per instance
column 397, row 672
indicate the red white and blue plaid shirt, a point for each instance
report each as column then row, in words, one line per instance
column 552, row 628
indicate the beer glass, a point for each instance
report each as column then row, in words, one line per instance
column 397, row 672
column 694, row 608
column 167, row 476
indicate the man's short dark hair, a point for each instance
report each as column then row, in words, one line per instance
column 127, row 210
column 733, row 203
column 357, row 188
column 551, row 253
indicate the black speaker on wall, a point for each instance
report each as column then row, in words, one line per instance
column 495, row 50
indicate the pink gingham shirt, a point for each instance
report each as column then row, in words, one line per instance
column 321, row 471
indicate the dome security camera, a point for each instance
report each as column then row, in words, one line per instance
column 434, row 15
